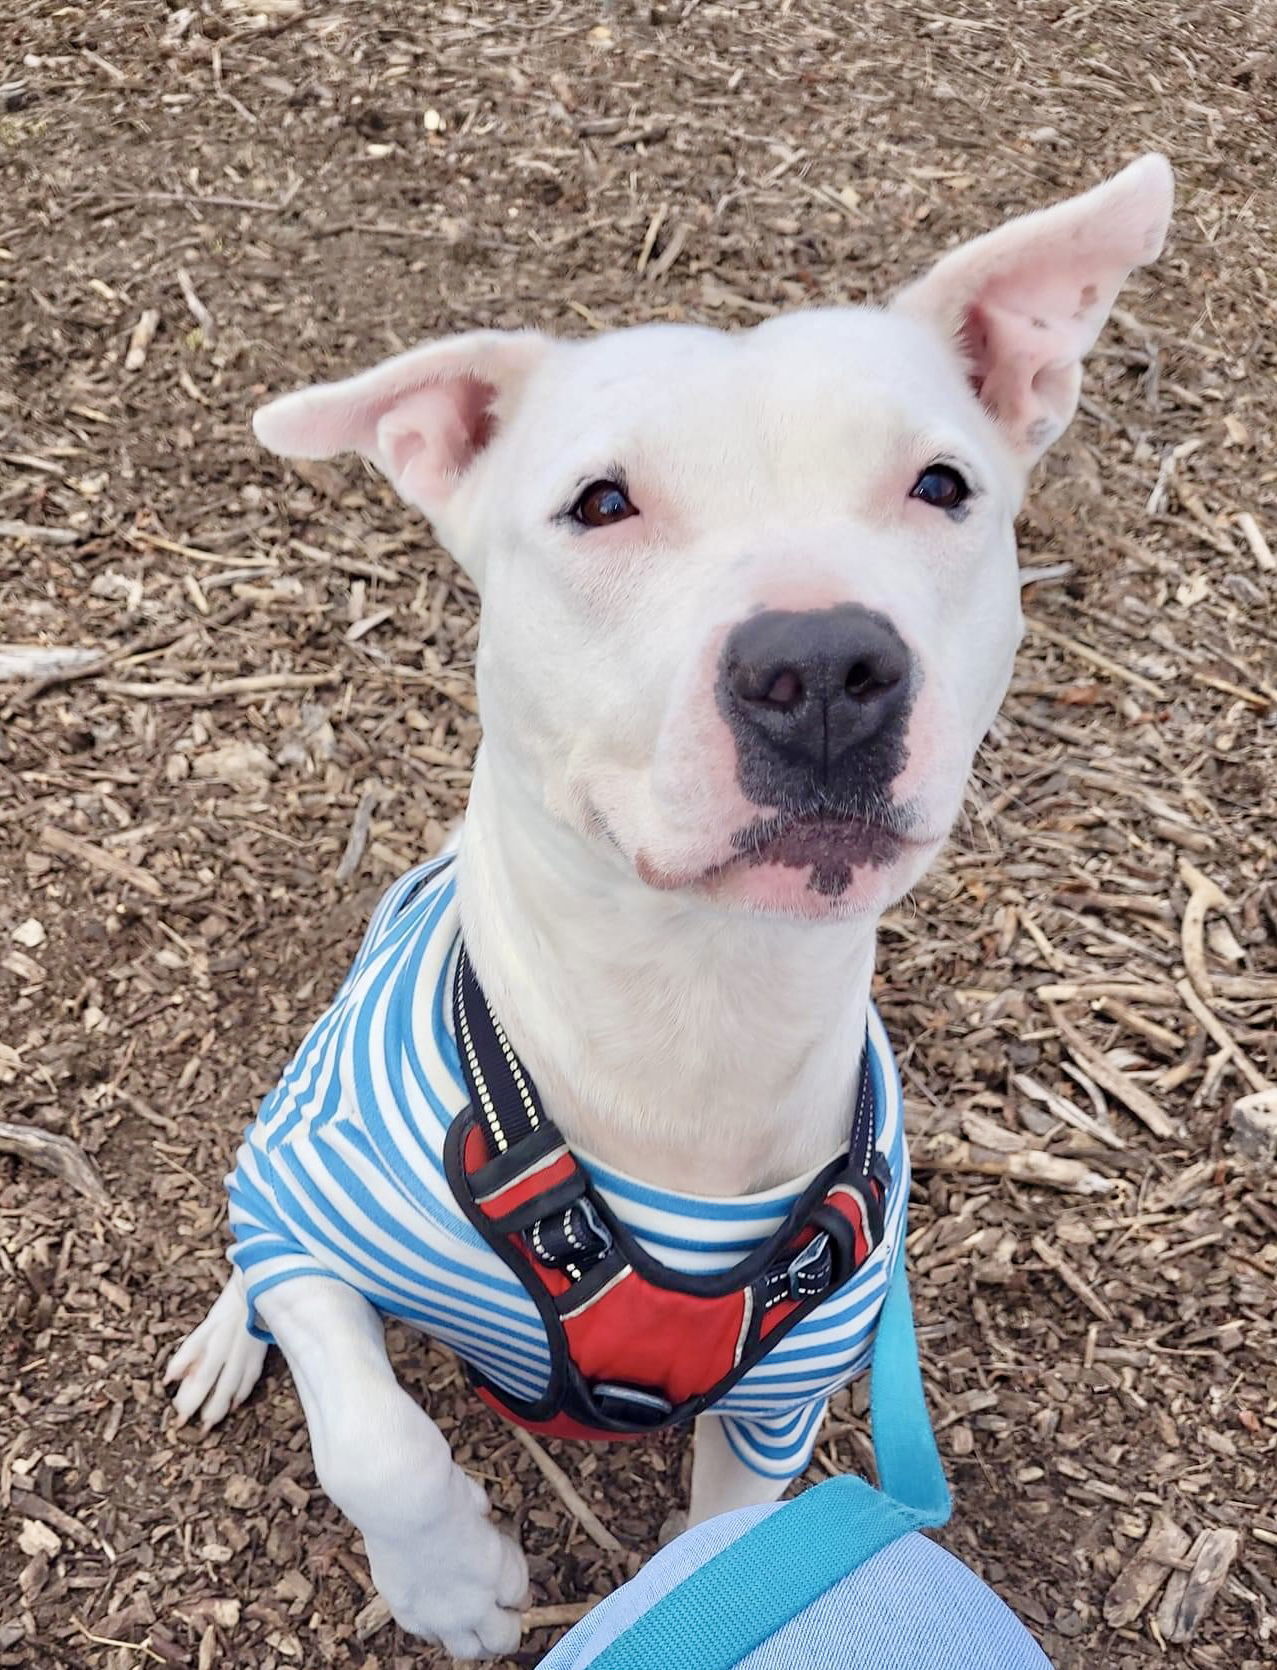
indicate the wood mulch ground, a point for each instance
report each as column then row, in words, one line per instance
column 201, row 206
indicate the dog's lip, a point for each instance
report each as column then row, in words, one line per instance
column 762, row 841
column 755, row 839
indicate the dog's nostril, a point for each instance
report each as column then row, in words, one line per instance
column 864, row 678
column 785, row 690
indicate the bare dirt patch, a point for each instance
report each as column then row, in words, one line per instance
column 203, row 206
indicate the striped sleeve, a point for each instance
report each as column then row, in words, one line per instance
column 266, row 1250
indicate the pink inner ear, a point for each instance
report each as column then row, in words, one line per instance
column 1020, row 364
column 1027, row 302
column 430, row 437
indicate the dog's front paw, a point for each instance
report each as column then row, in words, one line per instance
column 218, row 1363
column 464, row 1588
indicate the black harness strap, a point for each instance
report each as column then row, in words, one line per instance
column 535, row 1206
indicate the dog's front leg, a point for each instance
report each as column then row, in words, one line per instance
column 721, row 1481
column 440, row 1565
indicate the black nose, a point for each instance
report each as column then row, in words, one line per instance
column 816, row 696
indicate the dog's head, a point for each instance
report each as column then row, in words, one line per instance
column 750, row 600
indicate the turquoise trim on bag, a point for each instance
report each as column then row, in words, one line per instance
column 742, row 1596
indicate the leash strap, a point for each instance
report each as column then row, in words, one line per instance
column 741, row 1597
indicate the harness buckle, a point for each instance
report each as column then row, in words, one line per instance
column 576, row 1236
column 811, row 1269
column 630, row 1406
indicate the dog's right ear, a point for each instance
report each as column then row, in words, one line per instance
column 423, row 418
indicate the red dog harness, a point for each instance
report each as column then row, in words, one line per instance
column 634, row 1346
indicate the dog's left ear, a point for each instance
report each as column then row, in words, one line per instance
column 1024, row 304
column 424, row 418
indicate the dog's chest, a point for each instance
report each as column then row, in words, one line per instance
column 343, row 1172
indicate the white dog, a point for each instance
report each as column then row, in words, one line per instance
column 603, row 1103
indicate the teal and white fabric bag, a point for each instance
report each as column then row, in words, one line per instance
column 838, row 1579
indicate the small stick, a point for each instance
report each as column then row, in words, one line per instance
column 558, row 1617
column 1220, row 1034
column 35, row 661
column 138, row 536
column 1213, row 683
column 1136, row 904
column 97, row 858
column 1133, row 992
column 195, row 201
column 1135, row 1022
column 1253, row 534
column 1063, row 1109
column 141, row 339
column 203, row 318
column 567, row 1493
column 653, row 227
column 58, row 1154
column 41, row 535
column 1247, row 986
column 946, row 1153
column 358, row 833
column 148, row 642
column 666, row 259
column 1183, row 1070
column 1055, row 1260
column 1084, row 653
column 169, row 691
column 143, row 1647
column 1203, row 895
column 1131, row 1095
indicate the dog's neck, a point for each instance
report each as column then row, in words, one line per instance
column 699, row 1050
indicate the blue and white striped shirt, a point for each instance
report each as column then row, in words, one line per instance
column 342, row 1176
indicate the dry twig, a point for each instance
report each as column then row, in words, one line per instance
column 58, row 1154
column 568, row 1494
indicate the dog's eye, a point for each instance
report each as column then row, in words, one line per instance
column 601, row 504
column 942, row 486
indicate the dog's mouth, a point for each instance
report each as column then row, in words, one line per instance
column 829, row 844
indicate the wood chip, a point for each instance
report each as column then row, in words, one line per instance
column 1189, row 1594
column 31, row 1506
column 1055, row 1260
column 1145, row 1572
column 1063, row 1109
column 371, row 1618
column 1253, row 534
column 97, row 858
column 944, row 1152
column 56, row 1153
column 141, row 339
column 1132, row 1096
